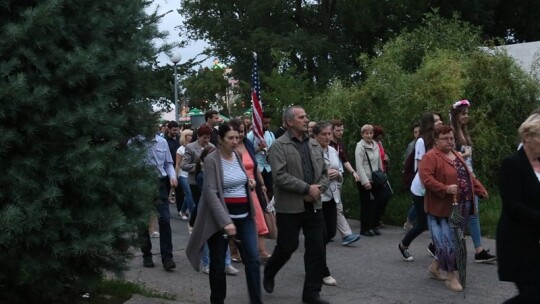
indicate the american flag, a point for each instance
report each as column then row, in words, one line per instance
column 256, row 102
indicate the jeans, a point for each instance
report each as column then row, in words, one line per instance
column 289, row 224
column 246, row 233
column 179, row 196
column 474, row 226
column 165, row 236
column 188, row 198
column 411, row 215
column 421, row 221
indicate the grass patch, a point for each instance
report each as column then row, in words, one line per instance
column 117, row 291
column 400, row 203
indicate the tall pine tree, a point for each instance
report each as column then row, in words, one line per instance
column 71, row 192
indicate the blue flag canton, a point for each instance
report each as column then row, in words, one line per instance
column 255, row 84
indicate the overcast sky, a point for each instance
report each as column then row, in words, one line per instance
column 169, row 23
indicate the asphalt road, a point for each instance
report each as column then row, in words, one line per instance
column 370, row 271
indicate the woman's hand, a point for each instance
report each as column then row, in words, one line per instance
column 252, row 184
column 452, row 189
column 484, row 196
column 367, row 186
column 466, row 152
column 333, row 173
column 230, row 229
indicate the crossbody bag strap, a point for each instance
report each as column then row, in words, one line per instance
column 369, row 161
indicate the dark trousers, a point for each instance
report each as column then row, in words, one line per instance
column 330, row 219
column 268, row 182
column 528, row 293
column 330, row 222
column 421, row 221
column 165, row 235
column 380, row 207
column 247, row 236
column 289, row 224
column 196, row 193
column 367, row 209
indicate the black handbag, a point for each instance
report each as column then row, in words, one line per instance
column 378, row 177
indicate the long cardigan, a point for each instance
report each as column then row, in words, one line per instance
column 437, row 172
column 212, row 215
column 518, row 232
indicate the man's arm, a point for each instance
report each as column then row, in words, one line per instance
column 169, row 168
column 282, row 178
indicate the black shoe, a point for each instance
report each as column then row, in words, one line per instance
column 148, row 262
column 315, row 300
column 431, row 250
column 405, row 253
column 169, row 265
column 268, row 284
column 367, row 233
column 484, row 257
column 375, row 231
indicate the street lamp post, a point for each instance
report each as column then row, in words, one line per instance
column 175, row 58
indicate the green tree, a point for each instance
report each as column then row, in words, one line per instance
column 201, row 86
column 72, row 92
column 427, row 69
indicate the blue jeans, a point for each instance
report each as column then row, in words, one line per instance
column 474, row 226
column 165, row 236
column 188, row 198
column 246, row 233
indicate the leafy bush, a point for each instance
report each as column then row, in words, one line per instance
column 429, row 69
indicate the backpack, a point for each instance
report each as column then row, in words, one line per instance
column 408, row 173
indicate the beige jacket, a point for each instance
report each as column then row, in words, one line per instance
column 190, row 160
column 289, row 184
column 362, row 165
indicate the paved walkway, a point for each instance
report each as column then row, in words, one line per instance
column 370, row 271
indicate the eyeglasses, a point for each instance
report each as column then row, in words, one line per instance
column 446, row 138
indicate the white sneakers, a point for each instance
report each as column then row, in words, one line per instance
column 230, row 270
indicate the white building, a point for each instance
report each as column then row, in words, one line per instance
column 525, row 54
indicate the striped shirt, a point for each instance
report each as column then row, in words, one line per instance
column 234, row 188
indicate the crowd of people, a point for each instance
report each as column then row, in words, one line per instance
column 227, row 181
